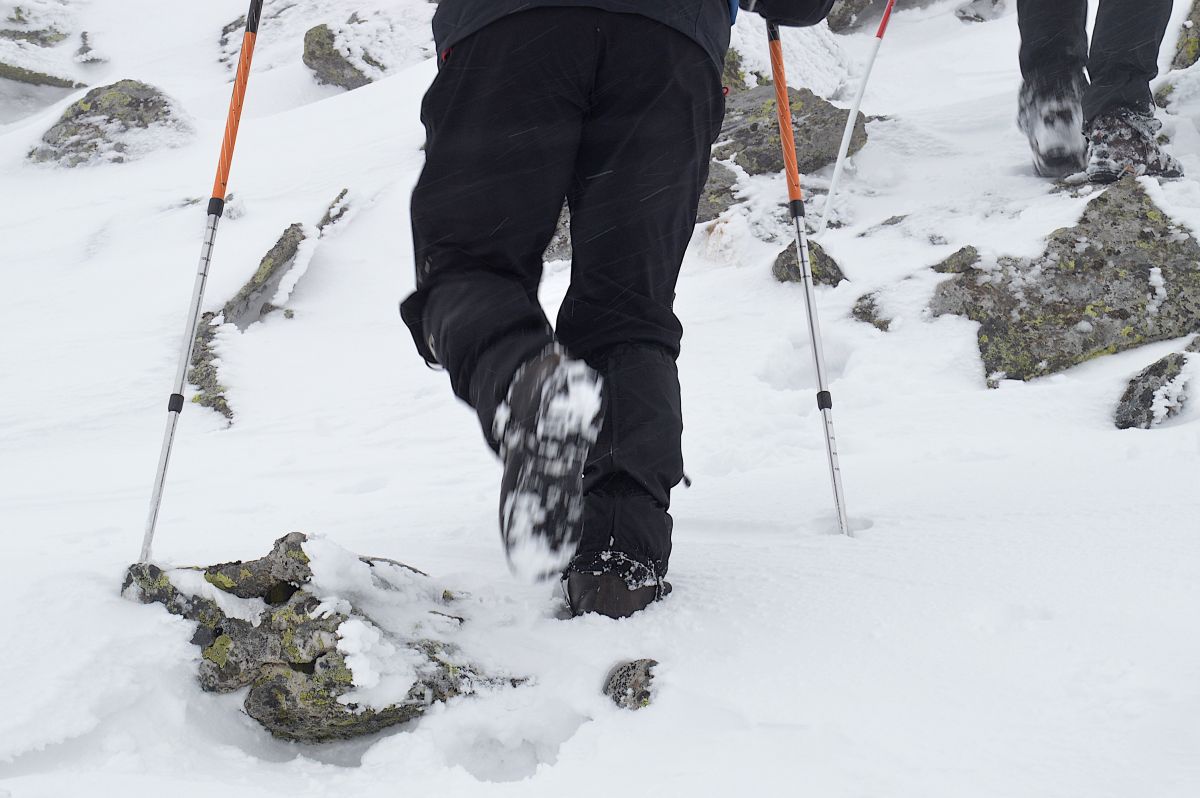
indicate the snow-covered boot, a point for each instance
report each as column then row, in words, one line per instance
column 1125, row 142
column 980, row 10
column 1052, row 120
column 546, row 427
column 611, row 583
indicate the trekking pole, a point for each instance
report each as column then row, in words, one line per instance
column 844, row 150
column 796, row 205
column 216, row 207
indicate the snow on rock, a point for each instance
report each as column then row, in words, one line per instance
column 35, row 43
column 354, row 42
column 1187, row 48
column 630, row 684
column 317, row 665
column 1157, row 393
column 1124, row 276
column 114, row 124
column 825, row 270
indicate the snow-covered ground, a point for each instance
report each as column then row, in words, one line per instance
column 1015, row 616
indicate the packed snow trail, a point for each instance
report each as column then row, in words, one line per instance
column 1013, row 617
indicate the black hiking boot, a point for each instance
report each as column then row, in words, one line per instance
column 1052, row 120
column 1125, row 142
column 545, row 428
column 613, row 584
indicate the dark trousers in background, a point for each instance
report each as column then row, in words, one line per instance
column 616, row 114
column 1124, row 51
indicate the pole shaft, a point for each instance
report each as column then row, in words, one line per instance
column 848, row 133
column 216, row 207
column 795, row 196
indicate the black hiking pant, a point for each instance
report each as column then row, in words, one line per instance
column 617, row 114
column 1124, row 51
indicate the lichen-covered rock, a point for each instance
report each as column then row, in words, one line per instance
column 113, row 124
column 717, row 196
column 327, row 61
column 202, row 371
column 259, row 624
column 34, row 78
column 1154, row 395
column 866, row 310
column 1187, row 49
column 849, row 15
column 1124, row 276
column 750, row 134
column 825, row 269
column 253, row 301
column 630, row 684
column 960, row 262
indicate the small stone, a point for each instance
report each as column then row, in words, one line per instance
column 960, row 262
column 253, row 301
column 1154, row 395
column 825, row 269
column 1187, row 49
column 866, row 309
column 631, row 684
column 559, row 247
column 717, row 196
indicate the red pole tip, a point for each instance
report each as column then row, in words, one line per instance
column 887, row 17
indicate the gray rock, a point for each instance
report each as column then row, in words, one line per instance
column 290, row 660
column 825, row 269
column 203, row 368
column 253, row 301
column 961, row 262
column 99, row 127
column 717, row 196
column 1187, row 49
column 1125, row 275
column 323, row 56
column 850, row 15
column 336, row 212
column 630, row 685
column 981, row 10
column 751, row 134
column 1159, row 383
column 35, row 78
column 1194, row 346
column 42, row 37
column 866, row 309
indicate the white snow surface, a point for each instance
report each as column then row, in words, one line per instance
column 1014, row 617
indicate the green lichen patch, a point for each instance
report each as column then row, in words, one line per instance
column 1124, row 276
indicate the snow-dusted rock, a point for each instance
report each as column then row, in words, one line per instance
column 113, row 124
column 866, row 310
column 1125, row 275
column 717, row 196
column 1187, row 49
column 314, row 662
column 559, row 247
column 1157, row 393
column 324, row 56
column 825, row 269
column 630, row 684
column 750, row 133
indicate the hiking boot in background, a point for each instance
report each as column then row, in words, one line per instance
column 1125, row 142
column 1052, row 119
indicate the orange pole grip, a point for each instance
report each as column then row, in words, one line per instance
column 221, row 186
column 783, row 107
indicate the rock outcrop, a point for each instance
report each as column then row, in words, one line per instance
column 1126, row 275
column 262, row 625
column 751, row 135
column 1187, row 49
column 113, row 124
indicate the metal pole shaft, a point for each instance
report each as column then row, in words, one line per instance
column 796, row 206
column 848, row 133
column 216, row 207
